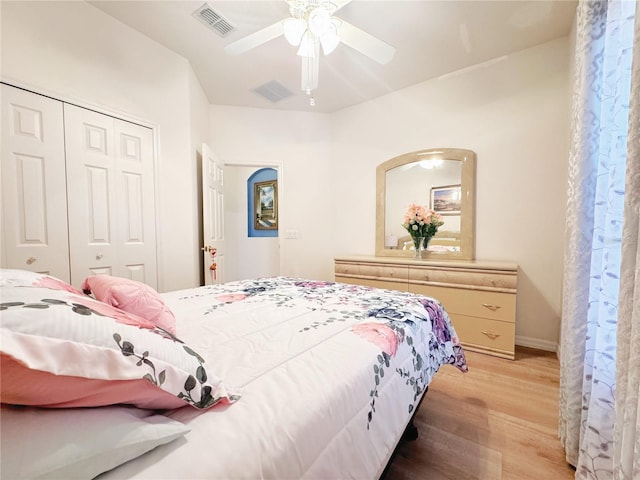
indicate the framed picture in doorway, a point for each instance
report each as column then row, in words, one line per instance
column 265, row 205
column 446, row 200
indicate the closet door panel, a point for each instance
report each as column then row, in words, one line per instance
column 34, row 210
column 135, row 202
column 91, row 192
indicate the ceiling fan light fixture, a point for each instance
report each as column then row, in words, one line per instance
column 319, row 21
column 307, row 46
column 293, row 30
column 310, row 27
column 330, row 40
column 431, row 164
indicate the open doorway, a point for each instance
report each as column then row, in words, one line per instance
column 249, row 256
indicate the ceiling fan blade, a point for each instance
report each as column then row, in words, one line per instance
column 255, row 39
column 365, row 43
column 338, row 4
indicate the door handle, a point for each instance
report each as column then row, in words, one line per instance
column 209, row 248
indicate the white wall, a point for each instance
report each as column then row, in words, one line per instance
column 513, row 113
column 74, row 52
column 301, row 143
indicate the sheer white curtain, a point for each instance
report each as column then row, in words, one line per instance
column 626, row 458
column 600, row 337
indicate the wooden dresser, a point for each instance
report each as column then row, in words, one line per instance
column 480, row 297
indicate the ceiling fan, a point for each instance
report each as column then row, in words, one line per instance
column 310, row 27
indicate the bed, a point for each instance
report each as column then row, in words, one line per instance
column 268, row 378
column 443, row 241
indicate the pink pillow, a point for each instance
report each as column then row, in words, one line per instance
column 49, row 390
column 132, row 297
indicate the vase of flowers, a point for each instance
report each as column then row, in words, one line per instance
column 418, row 246
column 422, row 223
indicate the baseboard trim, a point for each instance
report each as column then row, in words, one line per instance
column 536, row 343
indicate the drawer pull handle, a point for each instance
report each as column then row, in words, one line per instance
column 30, row 260
column 491, row 307
column 99, row 256
column 492, row 336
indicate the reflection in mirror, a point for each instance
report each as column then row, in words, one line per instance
column 432, row 183
column 440, row 179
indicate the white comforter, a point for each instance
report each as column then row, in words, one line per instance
column 329, row 376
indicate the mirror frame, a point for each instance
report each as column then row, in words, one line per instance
column 467, row 206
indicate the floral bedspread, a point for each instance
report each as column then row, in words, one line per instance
column 329, row 375
column 386, row 318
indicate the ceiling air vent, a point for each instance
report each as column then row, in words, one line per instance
column 273, row 91
column 214, row 20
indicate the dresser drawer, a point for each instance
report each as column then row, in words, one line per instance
column 473, row 303
column 375, row 271
column 489, row 279
column 484, row 335
column 369, row 282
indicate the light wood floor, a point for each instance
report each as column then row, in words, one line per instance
column 497, row 422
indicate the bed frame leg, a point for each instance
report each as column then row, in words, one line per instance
column 411, row 432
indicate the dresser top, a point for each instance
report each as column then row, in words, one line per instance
column 466, row 264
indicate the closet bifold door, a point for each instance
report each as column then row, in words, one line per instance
column 110, row 191
column 34, row 202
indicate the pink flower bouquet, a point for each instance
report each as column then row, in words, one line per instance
column 421, row 221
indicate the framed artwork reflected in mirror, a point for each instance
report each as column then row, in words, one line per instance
column 446, row 200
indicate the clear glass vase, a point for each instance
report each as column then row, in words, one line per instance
column 418, row 243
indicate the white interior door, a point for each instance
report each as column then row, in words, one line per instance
column 212, row 216
column 34, row 202
column 111, row 200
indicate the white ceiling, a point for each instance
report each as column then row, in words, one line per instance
column 432, row 38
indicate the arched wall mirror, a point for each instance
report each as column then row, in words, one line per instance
column 442, row 179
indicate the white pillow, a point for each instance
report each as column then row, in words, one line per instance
column 78, row 442
column 58, row 351
column 24, row 278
